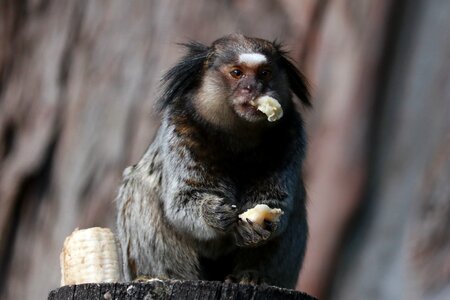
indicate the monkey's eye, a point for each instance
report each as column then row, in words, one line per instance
column 265, row 74
column 236, row 73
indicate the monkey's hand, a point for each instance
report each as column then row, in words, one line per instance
column 251, row 234
column 246, row 277
column 219, row 214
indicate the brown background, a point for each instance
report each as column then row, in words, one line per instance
column 77, row 88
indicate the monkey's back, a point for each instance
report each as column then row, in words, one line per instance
column 146, row 237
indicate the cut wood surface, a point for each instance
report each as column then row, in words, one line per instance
column 174, row 290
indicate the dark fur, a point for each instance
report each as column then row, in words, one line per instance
column 186, row 75
column 178, row 207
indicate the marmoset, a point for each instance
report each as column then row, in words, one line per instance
column 216, row 155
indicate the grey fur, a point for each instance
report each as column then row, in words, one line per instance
column 178, row 219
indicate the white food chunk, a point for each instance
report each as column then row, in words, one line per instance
column 270, row 107
column 90, row 256
column 261, row 212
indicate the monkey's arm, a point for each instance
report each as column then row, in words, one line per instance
column 199, row 211
column 196, row 203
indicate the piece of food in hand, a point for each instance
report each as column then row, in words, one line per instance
column 270, row 107
column 261, row 213
column 90, row 256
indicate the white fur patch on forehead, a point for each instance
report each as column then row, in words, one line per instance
column 252, row 58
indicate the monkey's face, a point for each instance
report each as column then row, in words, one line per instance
column 239, row 71
column 247, row 78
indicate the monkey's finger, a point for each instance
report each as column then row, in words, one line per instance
column 270, row 226
column 226, row 221
column 250, row 278
column 245, row 235
column 231, row 279
column 259, row 229
column 251, row 234
column 219, row 215
column 246, row 277
column 263, row 233
column 225, row 208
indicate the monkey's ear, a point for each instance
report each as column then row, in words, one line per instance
column 297, row 81
column 185, row 75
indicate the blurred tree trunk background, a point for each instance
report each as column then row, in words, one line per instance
column 78, row 80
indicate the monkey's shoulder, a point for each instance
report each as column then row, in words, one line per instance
column 148, row 171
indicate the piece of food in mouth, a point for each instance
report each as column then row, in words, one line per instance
column 90, row 256
column 270, row 107
column 261, row 213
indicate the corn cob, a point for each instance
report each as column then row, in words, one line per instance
column 89, row 256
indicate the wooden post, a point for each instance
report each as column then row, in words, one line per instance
column 174, row 290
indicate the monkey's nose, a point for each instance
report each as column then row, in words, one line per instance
column 249, row 88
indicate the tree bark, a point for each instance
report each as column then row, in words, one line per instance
column 77, row 90
column 174, row 290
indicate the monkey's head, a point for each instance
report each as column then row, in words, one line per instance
column 221, row 82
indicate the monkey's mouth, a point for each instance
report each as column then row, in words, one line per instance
column 248, row 111
column 250, row 106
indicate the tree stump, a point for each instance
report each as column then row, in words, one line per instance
column 173, row 289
